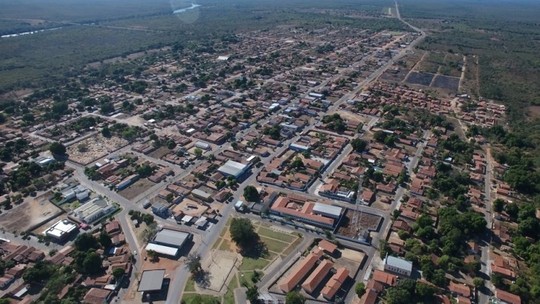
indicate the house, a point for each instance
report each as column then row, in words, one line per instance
column 459, row 289
column 385, row 278
column 398, row 266
column 505, row 297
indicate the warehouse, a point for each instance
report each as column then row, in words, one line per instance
column 232, row 168
column 172, row 238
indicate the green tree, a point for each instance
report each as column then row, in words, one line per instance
column 57, row 148
column 294, row 297
column 252, row 294
column 251, row 194
column 118, row 273
column 358, row 144
column 360, row 289
column 105, row 240
column 478, row 282
column 198, row 152
column 106, row 132
column 193, row 263
column 498, row 205
column 242, row 232
column 92, row 264
column 85, row 242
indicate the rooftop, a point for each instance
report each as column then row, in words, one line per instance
column 232, row 168
column 399, row 263
column 171, row 237
column 151, row 280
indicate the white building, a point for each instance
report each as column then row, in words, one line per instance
column 398, row 266
column 93, row 210
column 232, row 168
column 61, row 230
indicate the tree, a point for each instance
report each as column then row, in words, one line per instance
column 105, row 240
column 498, row 205
column 193, row 262
column 92, row 264
column 118, row 273
column 252, row 294
column 85, row 242
column 57, row 148
column 360, row 289
column 106, row 132
column 478, row 282
column 152, row 255
column 243, row 233
column 297, row 163
column 294, row 297
column 251, row 194
column 198, row 152
column 358, row 144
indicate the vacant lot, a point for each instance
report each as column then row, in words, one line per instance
column 419, row 78
column 95, row 147
column 136, row 189
column 32, row 212
column 446, row 82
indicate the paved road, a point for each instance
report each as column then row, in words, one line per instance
column 485, row 263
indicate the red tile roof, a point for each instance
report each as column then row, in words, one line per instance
column 337, row 280
column 298, row 273
column 327, row 246
column 507, row 297
column 317, row 275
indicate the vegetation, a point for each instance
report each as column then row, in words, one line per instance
column 251, row 194
column 294, row 297
column 57, row 148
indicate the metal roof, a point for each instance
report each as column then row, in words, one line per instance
column 232, row 168
column 327, row 209
column 171, row 237
column 398, row 263
column 151, row 280
column 166, row 250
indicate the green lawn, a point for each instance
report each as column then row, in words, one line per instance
column 274, row 245
column 190, row 285
column 252, row 264
column 200, row 299
column 292, row 247
column 285, row 237
column 229, row 296
column 225, row 246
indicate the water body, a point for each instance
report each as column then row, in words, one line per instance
column 30, row 32
column 182, row 10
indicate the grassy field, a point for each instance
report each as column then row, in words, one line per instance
column 200, row 299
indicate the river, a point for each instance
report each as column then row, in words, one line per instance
column 181, row 10
column 29, row 32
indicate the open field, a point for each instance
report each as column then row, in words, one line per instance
column 136, row 188
column 32, row 212
column 96, row 147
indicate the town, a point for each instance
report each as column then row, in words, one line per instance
column 299, row 164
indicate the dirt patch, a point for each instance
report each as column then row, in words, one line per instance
column 96, row 147
column 219, row 265
column 136, row 189
column 366, row 221
column 160, row 152
column 446, row 82
column 533, row 112
column 420, row 78
column 31, row 213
